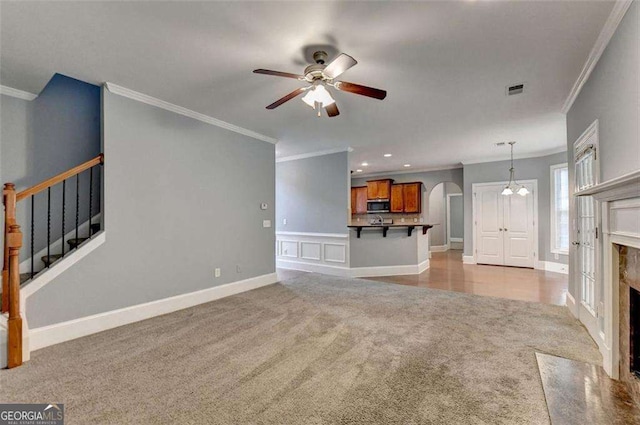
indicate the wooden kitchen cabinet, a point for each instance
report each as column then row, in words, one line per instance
column 359, row 200
column 379, row 189
column 412, row 193
column 397, row 198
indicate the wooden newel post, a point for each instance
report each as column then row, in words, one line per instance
column 9, row 201
column 14, row 351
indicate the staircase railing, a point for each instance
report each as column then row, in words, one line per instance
column 13, row 243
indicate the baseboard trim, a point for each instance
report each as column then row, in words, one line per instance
column 550, row 266
column 468, row 259
column 439, row 248
column 313, row 267
column 354, row 271
column 66, row 331
column 390, row 270
column 571, row 304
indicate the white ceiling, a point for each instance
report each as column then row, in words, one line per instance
column 445, row 66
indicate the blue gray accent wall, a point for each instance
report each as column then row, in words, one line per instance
column 312, row 194
column 41, row 138
column 182, row 197
column 610, row 95
column 526, row 169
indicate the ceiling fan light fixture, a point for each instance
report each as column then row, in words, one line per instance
column 318, row 94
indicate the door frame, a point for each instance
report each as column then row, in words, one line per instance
column 448, row 235
column 535, row 246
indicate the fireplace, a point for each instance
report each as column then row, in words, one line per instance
column 629, row 269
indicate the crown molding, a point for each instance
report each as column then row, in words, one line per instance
column 312, row 154
column 615, row 17
column 521, row 156
column 149, row 100
column 20, row 94
column 414, row 171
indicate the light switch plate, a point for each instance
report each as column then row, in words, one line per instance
column 264, row 206
column 266, row 223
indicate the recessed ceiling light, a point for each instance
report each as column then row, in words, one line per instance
column 358, row 170
column 387, row 155
column 407, row 165
column 364, row 164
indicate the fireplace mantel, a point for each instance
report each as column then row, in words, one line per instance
column 619, row 201
column 623, row 187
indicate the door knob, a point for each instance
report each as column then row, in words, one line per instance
column 505, row 229
column 575, row 243
column 500, row 229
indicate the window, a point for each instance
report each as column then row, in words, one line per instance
column 560, row 209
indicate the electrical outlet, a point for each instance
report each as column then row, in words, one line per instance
column 284, row 221
column 238, row 270
column 402, row 220
column 217, row 272
column 266, row 223
column 415, row 219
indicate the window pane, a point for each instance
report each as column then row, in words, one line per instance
column 560, row 186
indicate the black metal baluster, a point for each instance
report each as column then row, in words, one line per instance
column 77, row 207
column 90, row 199
column 64, row 187
column 32, row 234
column 48, row 226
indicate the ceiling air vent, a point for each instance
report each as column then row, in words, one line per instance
column 515, row 89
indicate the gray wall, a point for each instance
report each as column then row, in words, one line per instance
column 181, row 198
column 526, row 169
column 429, row 180
column 457, row 217
column 610, row 95
column 41, row 138
column 312, row 194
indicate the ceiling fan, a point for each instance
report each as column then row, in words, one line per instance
column 321, row 76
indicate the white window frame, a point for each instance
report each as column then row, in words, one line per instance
column 552, row 209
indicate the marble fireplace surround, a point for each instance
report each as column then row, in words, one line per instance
column 620, row 212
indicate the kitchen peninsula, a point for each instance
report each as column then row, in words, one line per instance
column 382, row 240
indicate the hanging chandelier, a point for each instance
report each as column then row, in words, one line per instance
column 513, row 186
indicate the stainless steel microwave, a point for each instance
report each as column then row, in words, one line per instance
column 378, row 206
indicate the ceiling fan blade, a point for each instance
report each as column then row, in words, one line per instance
column 339, row 65
column 332, row 110
column 362, row 90
column 278, row 74
column 288, row 97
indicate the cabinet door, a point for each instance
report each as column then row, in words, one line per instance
column 397, row 198
column 412, row 197
column 361, row 200
column 384, row 189
column 372, row 190
column 353, row 200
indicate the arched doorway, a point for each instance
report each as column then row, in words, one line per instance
column 445, row 210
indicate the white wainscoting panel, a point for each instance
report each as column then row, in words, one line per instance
column 310, row 250
column 313, row 252
column 335, row 252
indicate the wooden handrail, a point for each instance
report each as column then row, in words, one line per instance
column 60, row 177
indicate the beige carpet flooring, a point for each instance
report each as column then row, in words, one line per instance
column 312, row 350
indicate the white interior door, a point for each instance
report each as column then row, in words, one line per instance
column 518, row 229
column 489, row 225
column 586, row 175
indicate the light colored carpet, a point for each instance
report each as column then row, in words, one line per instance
column 312, row 350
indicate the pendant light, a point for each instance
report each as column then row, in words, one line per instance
column 513, row 185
